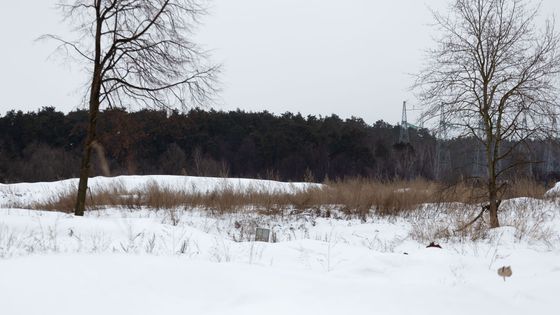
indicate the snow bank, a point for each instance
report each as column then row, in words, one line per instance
column 120, row 262
column 25, row 193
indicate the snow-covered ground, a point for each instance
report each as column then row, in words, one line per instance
column 118, row 261
column 37, row 192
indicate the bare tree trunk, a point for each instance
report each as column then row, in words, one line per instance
column 86, row 158
column 95, row 92
column 491, row 156
column 85, row 166
column 493, row 204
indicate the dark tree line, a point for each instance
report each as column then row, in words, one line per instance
column 47, row 145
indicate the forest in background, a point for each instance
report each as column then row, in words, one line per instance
column 47, row 145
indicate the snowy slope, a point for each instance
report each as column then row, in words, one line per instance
column 423, row 283
column 118, row 261
column 36, row 192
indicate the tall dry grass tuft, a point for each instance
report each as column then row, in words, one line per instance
column 360, row 196
column 525, row 187
column 61, row 202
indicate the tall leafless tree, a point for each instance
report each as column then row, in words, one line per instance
column 493, row 75
column 136, row 51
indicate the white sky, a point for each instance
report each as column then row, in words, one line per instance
column 351, row 57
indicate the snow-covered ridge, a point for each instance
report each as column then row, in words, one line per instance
column 25, row 193
column 554, row 191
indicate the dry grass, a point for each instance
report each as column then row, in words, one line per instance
column 530, row 218
column 525, row 188
column 448, row 220
column 434, row 211
column 355, row 197
column 358, row 196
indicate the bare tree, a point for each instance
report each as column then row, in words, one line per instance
column 136, row 51
column 493, row 75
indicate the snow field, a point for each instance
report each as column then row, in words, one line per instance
column 117, row 261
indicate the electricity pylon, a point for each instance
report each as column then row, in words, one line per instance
column 524, row 148
column 404, row 136
column 479, row 165
column 549, row 155
column 443, row 156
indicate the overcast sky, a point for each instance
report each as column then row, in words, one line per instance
column 351, row 57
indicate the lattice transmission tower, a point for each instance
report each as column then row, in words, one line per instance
column 528, row 159
column 443, row 155
column 479, row 166
column 549, row 155
column 404, row 136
